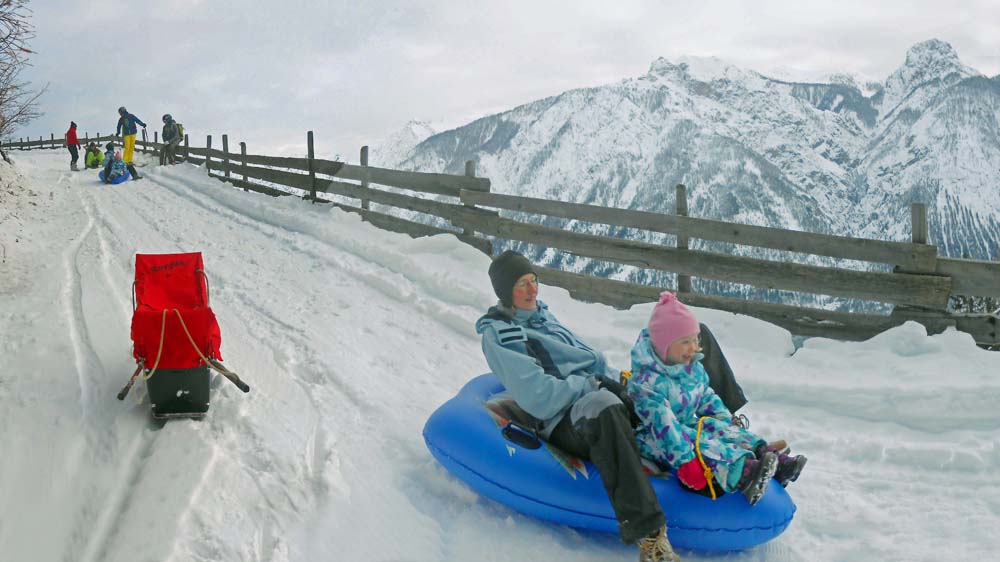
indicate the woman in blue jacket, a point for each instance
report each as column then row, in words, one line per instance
column 580, row 406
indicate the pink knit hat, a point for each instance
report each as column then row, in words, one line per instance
column 670, row 321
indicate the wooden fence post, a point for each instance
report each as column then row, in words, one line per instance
column 918, row 223
column 683, row 281
column 311, row 155
column 243, row 155
column 186, row 147
column 470, row 172
column 225, row 150
column 364, row 179
column 208, row 154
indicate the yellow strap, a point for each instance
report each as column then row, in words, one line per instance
column 709, row 476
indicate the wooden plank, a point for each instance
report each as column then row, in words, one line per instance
column 798, row 320
column 279, row 162
column 428, row 206
column 440, row 184
column 249, row 186
column 912, row 257
column 897, row 288
column 971, row 277
column 290, row 179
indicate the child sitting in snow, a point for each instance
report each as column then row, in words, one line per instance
column 681, row 414
column 114, row 166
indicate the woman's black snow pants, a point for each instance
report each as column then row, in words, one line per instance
column 597, row 428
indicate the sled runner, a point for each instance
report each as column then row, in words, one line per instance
column 175, row 335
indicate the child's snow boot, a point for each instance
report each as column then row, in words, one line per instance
column 656, row 548
column 756, row 476
column 789, row 468
column 73, row 168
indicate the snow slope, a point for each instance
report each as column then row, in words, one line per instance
column 350, row 337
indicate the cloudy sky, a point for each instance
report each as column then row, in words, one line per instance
column 267, row 71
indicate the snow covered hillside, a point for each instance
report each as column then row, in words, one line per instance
column 838, row 157
column 350, row 337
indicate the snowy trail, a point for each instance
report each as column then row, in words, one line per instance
column 350, row 337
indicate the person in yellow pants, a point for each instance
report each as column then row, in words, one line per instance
column 127, row 125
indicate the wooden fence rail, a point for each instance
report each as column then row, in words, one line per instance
column 920, row 284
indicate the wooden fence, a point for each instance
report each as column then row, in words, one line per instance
column 919, row 285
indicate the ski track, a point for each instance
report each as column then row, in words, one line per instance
column 101, row 531
column 72, row 298
column 291, row 351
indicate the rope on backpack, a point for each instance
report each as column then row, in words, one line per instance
column 233, row 377
column 159, row 352
column 709, row 475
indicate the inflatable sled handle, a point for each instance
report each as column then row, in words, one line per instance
column 521, row 436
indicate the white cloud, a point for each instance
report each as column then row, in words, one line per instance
column 354, row 71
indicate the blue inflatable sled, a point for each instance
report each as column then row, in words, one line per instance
column 122, row 178
column 472, row 437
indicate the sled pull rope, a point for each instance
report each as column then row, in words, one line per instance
column 709, row 476
column 233, row 377
column 208, row 289
column 159, row 352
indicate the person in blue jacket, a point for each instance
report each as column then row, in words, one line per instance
column 126, row 124
column 115, row 165
column 575, row 396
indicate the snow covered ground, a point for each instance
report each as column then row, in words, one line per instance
column 350, row 337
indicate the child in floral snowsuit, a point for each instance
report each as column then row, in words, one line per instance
column 672, row 394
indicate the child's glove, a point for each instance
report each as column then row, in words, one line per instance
column 692, row 475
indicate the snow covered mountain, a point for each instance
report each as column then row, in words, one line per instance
column 398, row 146
column 838, row 157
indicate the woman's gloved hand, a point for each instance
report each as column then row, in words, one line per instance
column 618, row 390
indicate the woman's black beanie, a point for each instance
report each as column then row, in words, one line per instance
column 505, row 270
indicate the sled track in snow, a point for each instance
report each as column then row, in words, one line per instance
column 85, row 358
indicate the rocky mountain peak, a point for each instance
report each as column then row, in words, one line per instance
column 926, row 62
column 703, row 69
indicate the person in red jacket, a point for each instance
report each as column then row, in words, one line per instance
column 73, row 144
